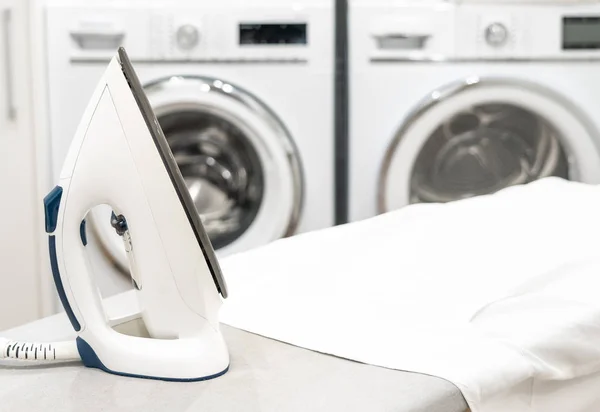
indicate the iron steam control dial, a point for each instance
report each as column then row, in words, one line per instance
column 187, row 36
column 496, row 34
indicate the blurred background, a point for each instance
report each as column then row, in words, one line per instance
column 288, row 116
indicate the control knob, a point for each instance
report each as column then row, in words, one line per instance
column 187, row 37
column 496, row 34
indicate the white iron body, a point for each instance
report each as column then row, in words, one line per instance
column 114, row 160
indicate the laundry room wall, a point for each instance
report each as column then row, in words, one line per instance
column 21, row 264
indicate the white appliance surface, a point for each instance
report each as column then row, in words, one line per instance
column 423, row 75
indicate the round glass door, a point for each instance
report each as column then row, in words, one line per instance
column 485, row 148
column 239, row 163
column 221, row 168
column 480, row 136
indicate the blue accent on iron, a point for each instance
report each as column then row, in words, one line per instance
column 91, row 360
column 51, row 205
column 82, row 232
column 59, row 286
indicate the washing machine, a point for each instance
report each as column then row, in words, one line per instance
column 243, row 92
column 451, row 100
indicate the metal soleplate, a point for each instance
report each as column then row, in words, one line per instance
column 173, row 170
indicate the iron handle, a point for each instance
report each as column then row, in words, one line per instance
column 11, row 111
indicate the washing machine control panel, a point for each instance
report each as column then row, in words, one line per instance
column 528, row 32
column 261, row 33
column 470, row 31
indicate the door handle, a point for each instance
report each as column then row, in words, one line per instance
column 11, row 111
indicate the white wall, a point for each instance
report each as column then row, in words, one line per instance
column 20, row 205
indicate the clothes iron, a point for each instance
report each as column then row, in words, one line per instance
column 120, row 157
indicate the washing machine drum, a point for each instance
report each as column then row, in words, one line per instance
column 481, row 136
column 483, row 149
column 221, row 168
column 239, row 163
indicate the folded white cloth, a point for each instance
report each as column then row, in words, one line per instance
column 498, row 294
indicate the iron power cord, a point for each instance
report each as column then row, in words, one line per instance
column 38, row 352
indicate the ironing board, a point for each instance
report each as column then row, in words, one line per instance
column 265, row 375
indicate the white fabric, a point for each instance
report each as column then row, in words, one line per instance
column 498, row 294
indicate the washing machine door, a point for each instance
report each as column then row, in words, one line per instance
column 478, row 136
column 238, row 160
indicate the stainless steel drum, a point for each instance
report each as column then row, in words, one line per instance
column 484, row 149
column 221, row 168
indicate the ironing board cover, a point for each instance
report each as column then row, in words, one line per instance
column 497, row 294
